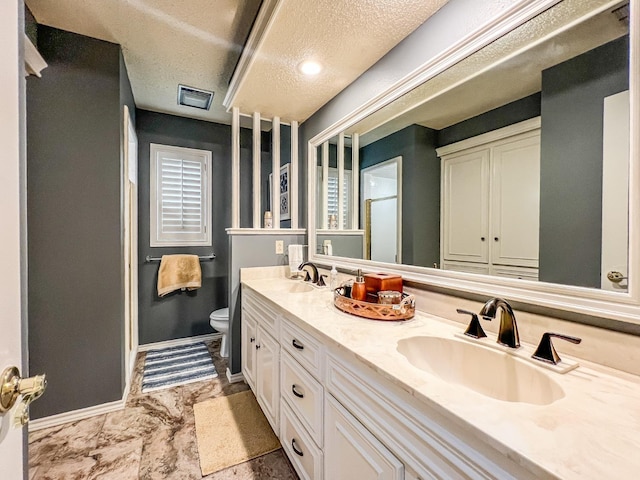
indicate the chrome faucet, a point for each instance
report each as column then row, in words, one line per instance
column 314, row 271
column 508, row 333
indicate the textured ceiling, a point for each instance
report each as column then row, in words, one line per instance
column 345, row 36
column 198, row 42
column 164, row 42
column 506, row 70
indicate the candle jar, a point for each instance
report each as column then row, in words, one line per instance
column 268, row 219
column 389, row 297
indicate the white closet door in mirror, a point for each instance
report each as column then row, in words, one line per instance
column 465, row 197
column 515, row 201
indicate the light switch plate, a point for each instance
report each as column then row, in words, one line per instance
column 279, row 247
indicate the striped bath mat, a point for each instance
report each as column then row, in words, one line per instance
column 177, row 366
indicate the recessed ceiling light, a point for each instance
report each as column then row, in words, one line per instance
column 309, row 67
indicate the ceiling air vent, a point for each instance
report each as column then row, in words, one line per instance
column 194, row 97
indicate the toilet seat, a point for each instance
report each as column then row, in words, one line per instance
column 220, row 314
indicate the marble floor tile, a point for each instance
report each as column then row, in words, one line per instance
column 272, row 466
column 153, row 437
column 116, row 462
column 69, row 440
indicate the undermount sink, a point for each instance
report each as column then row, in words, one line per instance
column 493, row 373
column 299, row 288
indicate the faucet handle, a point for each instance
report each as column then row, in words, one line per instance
column 546, row 352
column 321, row 282
column 474, row 329
column 307, row 277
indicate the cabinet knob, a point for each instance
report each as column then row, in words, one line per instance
column 496, row 238
column 257, row 346
column 482, row 239
column 252, row 339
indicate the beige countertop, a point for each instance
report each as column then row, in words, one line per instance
column 593, row 432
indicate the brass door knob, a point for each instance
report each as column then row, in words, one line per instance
column 13, row 386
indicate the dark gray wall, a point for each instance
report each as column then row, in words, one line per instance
column 249, row 251
column 185, row 314
column 571, row 162
column 350, row 246
column 513, row 112
column 420, row 189
column 76, row 301
column 266, row 167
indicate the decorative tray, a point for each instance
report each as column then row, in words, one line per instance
column 404, row 310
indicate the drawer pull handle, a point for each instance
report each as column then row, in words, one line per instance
column 252, row 339
column 295, row 392
column 293, row 445
column 297, row 344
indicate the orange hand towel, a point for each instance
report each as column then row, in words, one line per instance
column 177, row 272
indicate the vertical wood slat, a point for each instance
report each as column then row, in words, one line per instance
column 235, row 168
column 325, row 186
column 257, row 212
column 275, row 172
column 341, row 181
column 293, row 172
column 355, row 181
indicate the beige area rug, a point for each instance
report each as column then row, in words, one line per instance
column 231, row 430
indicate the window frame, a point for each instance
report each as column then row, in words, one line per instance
column 156, row 238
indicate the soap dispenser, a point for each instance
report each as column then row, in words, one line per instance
column 359, row 290
column 333, row 278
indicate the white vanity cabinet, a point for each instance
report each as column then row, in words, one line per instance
column 491, row 201
column 261, row 354
column 339, row 419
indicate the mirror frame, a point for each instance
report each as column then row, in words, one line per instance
column 624, row 307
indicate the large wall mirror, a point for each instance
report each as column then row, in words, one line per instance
column 507, row 173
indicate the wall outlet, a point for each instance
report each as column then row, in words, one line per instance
column 279, row 247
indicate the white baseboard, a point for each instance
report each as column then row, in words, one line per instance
column 234, row 377
column 81, row 414
column 178, row 341
column 75, row 415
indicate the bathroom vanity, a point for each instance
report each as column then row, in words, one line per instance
column 349, row 398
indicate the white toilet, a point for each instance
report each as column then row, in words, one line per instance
column 219, row 319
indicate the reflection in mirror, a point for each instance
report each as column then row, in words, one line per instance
column 515, row 161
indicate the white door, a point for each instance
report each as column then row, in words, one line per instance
column 465, row 207
column 382, row 207
column 515, row 201
column 131, row 242
column 11, row 71
column 352, row 452
column 615, row 190
column 268, row 376
column 248, row 335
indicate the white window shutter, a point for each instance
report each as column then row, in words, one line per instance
column 332, row 195
column 182, row 197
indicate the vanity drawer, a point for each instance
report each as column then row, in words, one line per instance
column 304, row 395
column 305, row 456
column 305, row 349
column 262, row 311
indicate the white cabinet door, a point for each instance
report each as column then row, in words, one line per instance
column 249, row 333
column 352, row 452
column 465, row 212
column 268, row 376
column 515, row 201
